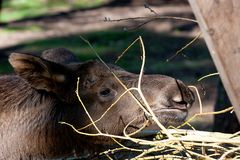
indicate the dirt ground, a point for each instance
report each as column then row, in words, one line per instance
column 81, row 21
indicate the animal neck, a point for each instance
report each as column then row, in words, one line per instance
column 32, row 118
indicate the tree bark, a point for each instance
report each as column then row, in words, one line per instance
column 220, row 25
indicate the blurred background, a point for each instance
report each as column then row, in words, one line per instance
column 36, row 25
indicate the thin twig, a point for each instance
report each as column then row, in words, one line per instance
column 229, row 152
column 199, row 98
column 207, row 76
column 206, row 113
column 184, row 47
column 119, row 57
column 150, row 9
column 153, row 18
column 140, row 141
column 85, row 109
column 137, row 131
column 142, row 96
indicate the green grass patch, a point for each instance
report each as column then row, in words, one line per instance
column 5, row 67
column 20, row 9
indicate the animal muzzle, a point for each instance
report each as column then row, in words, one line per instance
column 169, row 99
column 184, row 98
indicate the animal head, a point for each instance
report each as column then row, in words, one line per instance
column 99, row 89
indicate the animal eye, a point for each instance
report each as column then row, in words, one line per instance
column 105, row 92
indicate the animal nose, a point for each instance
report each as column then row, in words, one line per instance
column 180, row 103
column 184, row 98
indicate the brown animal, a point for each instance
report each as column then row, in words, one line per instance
column 60, row 55
column 42, row 93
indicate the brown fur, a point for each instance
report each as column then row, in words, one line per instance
column 34, row 101
column 59, row 55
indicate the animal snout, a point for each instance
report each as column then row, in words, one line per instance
column 183, row 97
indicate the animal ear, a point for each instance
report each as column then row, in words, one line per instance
column 39, row 73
